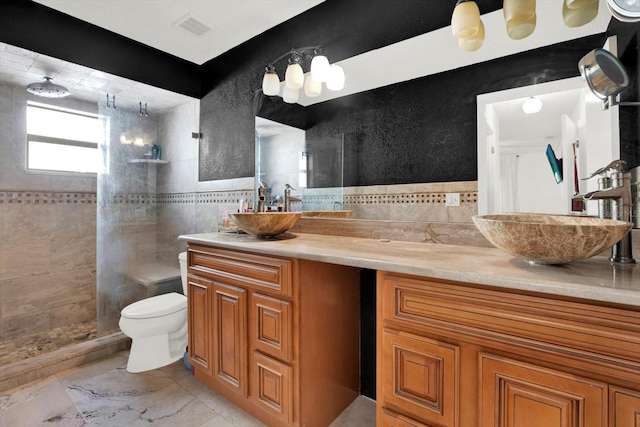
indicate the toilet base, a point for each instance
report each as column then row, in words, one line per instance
column 154, row 352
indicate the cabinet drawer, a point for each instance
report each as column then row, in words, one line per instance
column 271, row 326
column 272, row 386
column 513, row 393
column 241, row 268
column 390, row 419
column 420, row 377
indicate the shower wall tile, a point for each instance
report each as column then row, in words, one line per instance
column 24, row 258
column 71, row 314
column 73, row 253
column 12, row 327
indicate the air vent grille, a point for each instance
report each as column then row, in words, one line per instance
column 193, row 24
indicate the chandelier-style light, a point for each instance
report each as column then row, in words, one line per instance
column 520, row 18
column 320, row 72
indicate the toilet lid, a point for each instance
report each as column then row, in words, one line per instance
column 157, row 306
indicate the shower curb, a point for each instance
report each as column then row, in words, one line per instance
column 39, row 367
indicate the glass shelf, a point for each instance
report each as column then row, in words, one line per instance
column 153, row 161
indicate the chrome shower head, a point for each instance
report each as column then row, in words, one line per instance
column 48, row 89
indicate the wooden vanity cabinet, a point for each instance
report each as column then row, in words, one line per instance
column 278, row 337
column 462, row 355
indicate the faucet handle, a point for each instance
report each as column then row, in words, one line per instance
column 616, row 164
column 288, row 187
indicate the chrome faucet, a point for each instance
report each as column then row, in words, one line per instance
column 262, row 196
column 288, row 198
column 619, row 196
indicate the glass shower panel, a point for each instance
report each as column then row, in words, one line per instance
column 126, row 217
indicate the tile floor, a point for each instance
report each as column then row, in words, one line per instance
column 103, row 393
column 46, row 341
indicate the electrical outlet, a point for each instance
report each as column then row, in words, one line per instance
column 452, row 199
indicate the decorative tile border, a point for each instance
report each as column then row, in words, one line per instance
column 46, row 197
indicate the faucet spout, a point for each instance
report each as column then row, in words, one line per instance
column 606, row 193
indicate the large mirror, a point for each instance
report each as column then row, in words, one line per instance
column 516, row 149
column 312, row 167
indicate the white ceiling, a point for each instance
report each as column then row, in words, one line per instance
column 151, row 22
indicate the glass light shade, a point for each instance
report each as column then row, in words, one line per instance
column 336, row 78
column 532, row 105
column 312, row 88
column 320, row 68
column 625, row 10
column 290, row 96
column 465, row 20
column 294, row 76
column 271, row 84
column 579, row 4
column 520, row 30
column 474, row 42
column 579, row 16
column 518, row 11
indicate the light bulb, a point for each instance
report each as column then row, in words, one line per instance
column 320, row 68
column 290, row 96
column 532, row 105
column 336, row 78
column 270, row 82
column 465, row 20
column 312, row 88
column 294, row 76
column 474, row 42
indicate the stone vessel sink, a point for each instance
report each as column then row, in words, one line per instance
column 328, row 214
column 265, row 224
column 551, row 239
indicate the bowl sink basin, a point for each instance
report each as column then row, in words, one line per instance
column 328, row 214
column 551, row 239
column 265, row 224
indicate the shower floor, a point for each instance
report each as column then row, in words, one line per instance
column 46, row 341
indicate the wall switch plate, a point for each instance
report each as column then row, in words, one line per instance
column 452, row 199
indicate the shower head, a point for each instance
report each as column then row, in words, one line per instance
column 48, row 89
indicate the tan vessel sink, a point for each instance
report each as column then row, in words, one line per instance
column 265, row 224
column 328, row 214
column 550, row 239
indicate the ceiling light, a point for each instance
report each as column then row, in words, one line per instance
column 625, row 10
column 294, row 76
column 295, row 79
column 271, row 81
column 465, row 20
column 48, row 89
column 532, row 105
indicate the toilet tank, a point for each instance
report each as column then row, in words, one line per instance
column 182, row 257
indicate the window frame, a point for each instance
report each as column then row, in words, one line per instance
column 31, row 137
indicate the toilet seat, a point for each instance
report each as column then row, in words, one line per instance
column 158, row 306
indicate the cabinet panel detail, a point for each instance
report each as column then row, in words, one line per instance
column 517, row 394
column 421, row 377
column 272, row 386
column 624, row 407
column 229, row 336
column 271, row 326
column 199, row 309
column 239, row 268
column 394, row 420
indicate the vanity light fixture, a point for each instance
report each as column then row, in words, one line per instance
column 532, row 105
column 321, row 71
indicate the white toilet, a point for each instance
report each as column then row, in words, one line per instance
column 157, row 327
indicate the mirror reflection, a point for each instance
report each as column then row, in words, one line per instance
column 515, row 173
column 312, row 170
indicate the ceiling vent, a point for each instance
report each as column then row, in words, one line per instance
column 193, row 24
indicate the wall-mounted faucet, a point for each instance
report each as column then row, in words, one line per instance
column 288, row 198
column 619, row 197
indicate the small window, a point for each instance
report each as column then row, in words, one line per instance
column 62, row 140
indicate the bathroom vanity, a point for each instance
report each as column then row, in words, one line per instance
column 465, row 336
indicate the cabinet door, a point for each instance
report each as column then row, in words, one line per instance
column 272, row 386
column 517, row 394
column 229, row 336
column 199, row 315
column 271, row 326
column 624, row 407
column 420, row 377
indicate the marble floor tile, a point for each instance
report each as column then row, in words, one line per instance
column 103, row 393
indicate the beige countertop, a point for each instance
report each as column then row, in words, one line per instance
column 593, row 279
